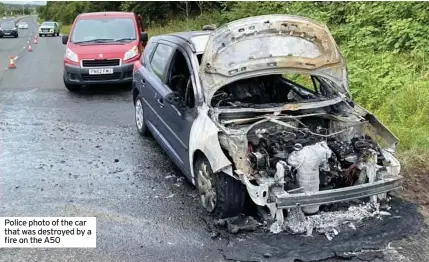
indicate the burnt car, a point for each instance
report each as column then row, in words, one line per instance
column 8, row 29
column 261, row 107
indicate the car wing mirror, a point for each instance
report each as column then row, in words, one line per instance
column 144, row 37
column 65, row 39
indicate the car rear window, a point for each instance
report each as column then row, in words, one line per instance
column 104, row 28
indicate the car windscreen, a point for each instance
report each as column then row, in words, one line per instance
column 7, row 25
column 105, row 29
column 48, row 24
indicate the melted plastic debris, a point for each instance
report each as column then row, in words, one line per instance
column 330, row 223
column 238, row 223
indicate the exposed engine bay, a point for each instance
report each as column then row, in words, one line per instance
column 284, row 157
column 268, row 91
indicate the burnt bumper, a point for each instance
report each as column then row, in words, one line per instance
column 337, row 195
column 80, row 75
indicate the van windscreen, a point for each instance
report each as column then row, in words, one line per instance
column 104, row 29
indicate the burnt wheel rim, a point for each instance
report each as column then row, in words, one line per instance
column 206, row 188
column 139, row 114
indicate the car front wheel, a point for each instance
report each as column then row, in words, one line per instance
column 220, row 194
column 139, row 117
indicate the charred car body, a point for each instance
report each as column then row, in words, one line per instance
column 254, row 128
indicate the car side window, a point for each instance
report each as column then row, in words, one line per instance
column 179, row 80
column 160, row 59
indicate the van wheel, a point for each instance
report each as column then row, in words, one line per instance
column 220, row 194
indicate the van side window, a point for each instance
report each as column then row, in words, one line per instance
column 160, row 59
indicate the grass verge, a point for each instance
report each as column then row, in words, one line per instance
column 65, row 29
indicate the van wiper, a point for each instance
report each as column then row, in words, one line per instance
column 97, row 40
column 125, row 39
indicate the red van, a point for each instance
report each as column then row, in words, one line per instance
column 102, row 48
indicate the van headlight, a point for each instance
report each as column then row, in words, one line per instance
column 71, row 55
column 133, row 52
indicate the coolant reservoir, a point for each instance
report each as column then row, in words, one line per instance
column 307, row 162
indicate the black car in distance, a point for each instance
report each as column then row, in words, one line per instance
column 8, row 29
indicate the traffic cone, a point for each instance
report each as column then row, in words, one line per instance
column 12, row 63
column 30, row 49
column 35, row 41
column 35, row 36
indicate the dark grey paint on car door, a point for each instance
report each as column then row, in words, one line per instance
column 179, row 122
column 154, row 91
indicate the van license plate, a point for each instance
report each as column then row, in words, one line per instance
column 101, row 71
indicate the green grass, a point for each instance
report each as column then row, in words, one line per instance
column 65, row 29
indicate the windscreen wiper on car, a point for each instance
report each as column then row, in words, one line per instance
column 125, row 39
column 97, row 40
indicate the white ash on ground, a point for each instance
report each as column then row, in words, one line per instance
column 329, row 223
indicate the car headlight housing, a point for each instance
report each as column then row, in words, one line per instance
column 71, row 55
column 133, row 52
column 14, row 28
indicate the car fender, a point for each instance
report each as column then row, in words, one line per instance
column 204, row 137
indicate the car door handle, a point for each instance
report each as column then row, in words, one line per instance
column 143, row 81
column 160, row 101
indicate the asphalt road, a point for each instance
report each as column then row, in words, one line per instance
column 65, row 154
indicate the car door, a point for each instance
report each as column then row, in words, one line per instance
column 152, row 78
column 178, row 120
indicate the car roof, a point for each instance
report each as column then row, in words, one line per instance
column 183, row 38
column 106, row 14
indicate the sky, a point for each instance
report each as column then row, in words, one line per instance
column 25, row 2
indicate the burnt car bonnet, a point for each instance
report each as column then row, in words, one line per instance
column 270, row 44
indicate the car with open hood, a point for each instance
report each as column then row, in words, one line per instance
column 261, row 107
column 49, row 28
column 102, row 48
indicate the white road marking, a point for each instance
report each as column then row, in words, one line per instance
column 16, row 57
